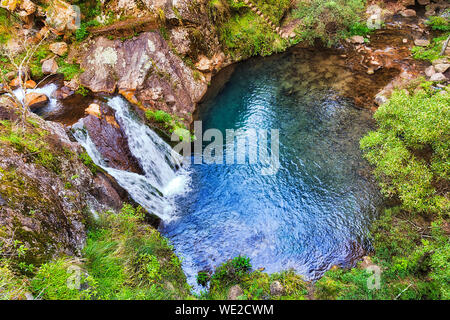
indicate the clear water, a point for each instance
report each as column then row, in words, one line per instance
column 315, row 212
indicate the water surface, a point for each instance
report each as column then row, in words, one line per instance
column 315, row 212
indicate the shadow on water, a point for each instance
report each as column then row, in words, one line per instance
column 316, row 211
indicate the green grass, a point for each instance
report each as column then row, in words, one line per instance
column 130, row 260
column 330, row 21
column 431, row 52
column 31, row 143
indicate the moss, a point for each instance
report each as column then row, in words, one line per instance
column 431, row 52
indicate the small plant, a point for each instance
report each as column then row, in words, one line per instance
column 439, row 23
column 203, row 278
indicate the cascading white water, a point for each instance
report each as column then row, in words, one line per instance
column 162, row 179
column 48, row 90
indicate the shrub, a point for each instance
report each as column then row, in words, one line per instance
column 410, row 149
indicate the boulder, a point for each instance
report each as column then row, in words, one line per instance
column 442, row 67
column 235, row 292
column 438, row 77
column 430, row 71
column 407, row 3
column 142, row 67
column 408, row 13
column 357, row 39
column 62, row 16
column 276, row 289
column 59, row 48
column 440, row 61
column 30, row 84
column 28, row 7
column 36, row 100
column 94, row 110
column 422, row 42
column 49, row 66
column 423, row 2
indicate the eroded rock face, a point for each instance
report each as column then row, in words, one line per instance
column 146, row 66
column 45, row 203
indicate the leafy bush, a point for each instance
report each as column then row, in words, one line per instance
column 411, row 149
column 439, row 23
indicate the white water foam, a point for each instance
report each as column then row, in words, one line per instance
column 164, row 176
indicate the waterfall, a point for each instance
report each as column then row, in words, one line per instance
column 163, row 177
column 48, row 90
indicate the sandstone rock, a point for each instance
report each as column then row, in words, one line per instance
column 430, row 71
column 15, row 83
column 63, row 93
column 180, row 40
column 438, row 77
column 28, row 6
column 380, row 99
column 442, row 67
column 49, row 66
column 62, row 16
column 357, row 39
column 204, row 64
column 422, row 42
column 130, row 66
column 276, row 289
column 59, row 48
column 408, row 13
column 407, row 3
column 30, row 84
column 93, row 110
column 36, row 100
column 440, row 61
column 235, row 292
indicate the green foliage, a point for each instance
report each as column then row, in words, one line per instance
column 359, row 29
column 330, row 20
column 88, row 162
column 410, row 149
column 256, row 284
column 12, row 286
column 431, row 52
column 69, row 70
column 203, row 278
column 439, row 23
column 248, row 35
column 131, row 260
column 63, row 279
column 170, row 122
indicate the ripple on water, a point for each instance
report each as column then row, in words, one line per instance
column 315, row 212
